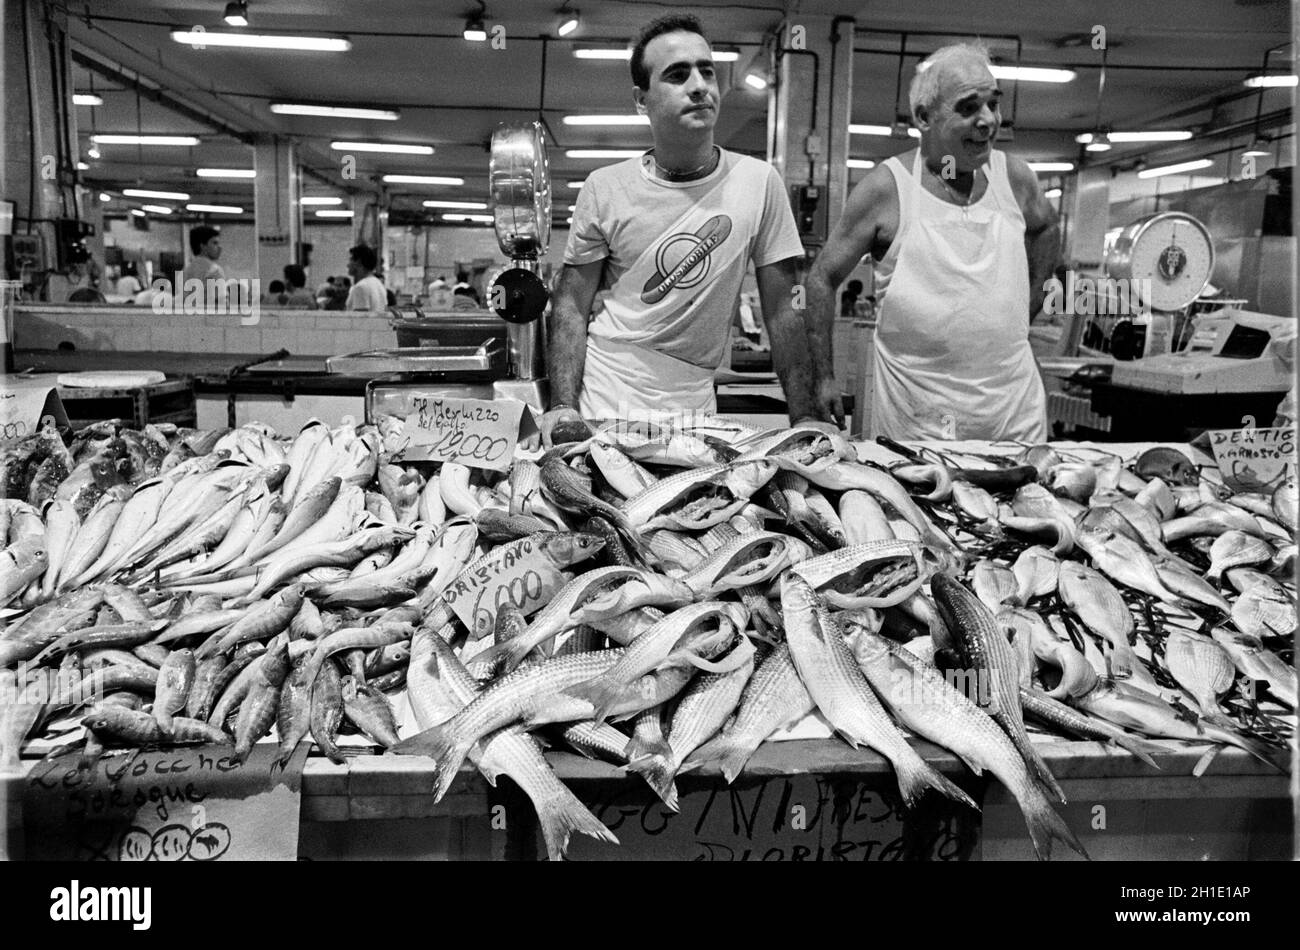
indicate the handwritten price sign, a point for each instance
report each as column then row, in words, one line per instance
column 516, row 575
column 25, row 405
column 1254, row 459
column 480, row 433
column 192, row 804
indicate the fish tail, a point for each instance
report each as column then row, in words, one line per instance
column 446, row 747
column 560, row 815
column 601, row 691
column 1037, row 767
column 730, row 755
column 1138, row 747
column 1258, row 749
column 638, row 748
column 658, row 772
column 915, row 776
column 1045, row 825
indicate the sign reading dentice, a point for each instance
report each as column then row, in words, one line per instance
column 480, row 433
column 1254, row 459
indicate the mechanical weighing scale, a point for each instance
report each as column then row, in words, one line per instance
column 509, row 366
column 1187, row 362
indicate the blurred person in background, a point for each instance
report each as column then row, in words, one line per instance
column 205, row 244
column 296, row 296
column 368, row 294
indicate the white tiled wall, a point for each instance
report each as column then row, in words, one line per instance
column 302, row 333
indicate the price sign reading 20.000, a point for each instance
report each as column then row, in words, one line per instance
column 480, row 433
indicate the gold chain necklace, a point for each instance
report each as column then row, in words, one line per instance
column 671, row 175
column 956, row 196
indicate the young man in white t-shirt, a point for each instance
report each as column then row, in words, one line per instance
column 658, row 250
column 367, row 291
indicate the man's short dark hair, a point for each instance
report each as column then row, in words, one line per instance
column 275, row 287
column 465, row 292
column 673, row 23
column 295, row 276
column 200, row 236
column 364, row 255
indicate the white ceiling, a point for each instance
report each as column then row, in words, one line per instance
column 409, row 55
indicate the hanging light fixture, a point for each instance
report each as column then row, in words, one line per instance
column 570, row 20
column 1259, row 148
column 475, row 30
column 236, row 13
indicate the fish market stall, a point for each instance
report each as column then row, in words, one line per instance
column 666, row 633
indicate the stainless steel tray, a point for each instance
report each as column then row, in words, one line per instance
column 420, row 359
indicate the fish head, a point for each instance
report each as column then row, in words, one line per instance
column 1169, row 464
column 569, row 547
column 1041, row 457
column 745, row 478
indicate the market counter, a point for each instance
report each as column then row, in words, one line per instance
column 284, row 394
column 1119, row 807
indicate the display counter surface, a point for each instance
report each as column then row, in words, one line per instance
column 306, row 375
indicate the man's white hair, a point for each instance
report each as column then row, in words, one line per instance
column 924, row 91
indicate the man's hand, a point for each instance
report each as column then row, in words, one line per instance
column 554, row 417
column 828, row 401
column 808, row 422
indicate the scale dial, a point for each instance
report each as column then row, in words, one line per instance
column 1169, row 256
column 519, row 183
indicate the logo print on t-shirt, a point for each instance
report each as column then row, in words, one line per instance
column 682, row 259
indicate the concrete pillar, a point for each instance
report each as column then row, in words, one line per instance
column 810, row 123
column 31, row 169
column 276, row 211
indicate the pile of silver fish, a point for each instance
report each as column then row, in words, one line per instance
column 691, row 589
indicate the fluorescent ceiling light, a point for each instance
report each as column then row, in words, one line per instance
column 569, row 219
column 92, row 152
column 861, row 163
column 137, row 212
column 719, row 55
column 604, row 152
column 1101, row 145
column 226, row 172
column 1033, row 74
column 144, row 139
column 464, row 205
column 569, row 21
column 157, row 209
column 573, row 208
column 334, row 213
column 337, row 112
column 216, row 209
column 575, row 185
column 1051, row 166
column 146, row 193
column 82, row 167
column 1275, row 81
column 319, row 44
column 105, row 196
column 422, row 180
column 320, row 200
column 884, row 130
column 87, row 99
column 755, row 81
column 1052, row 193
column 1175, row 169
column 606, row 120
column 475, row 218
column 1161, row 135
column 382, row 147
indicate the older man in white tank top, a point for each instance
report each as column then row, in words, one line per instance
column 964, row 241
